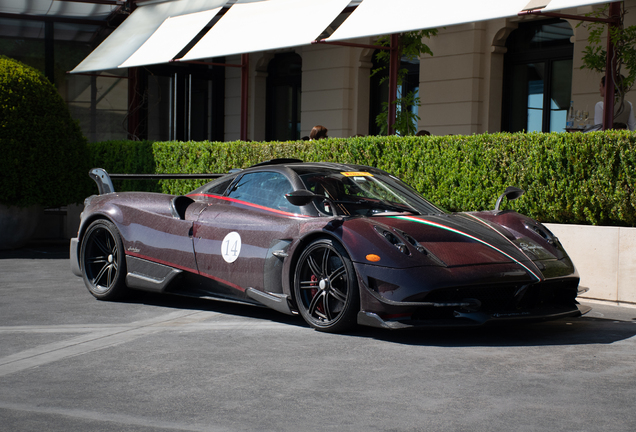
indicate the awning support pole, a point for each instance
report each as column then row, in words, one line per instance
column 205, row 63
column 134, row 103
column 394, row 68
column 610, row 69
column 349, row 44
column 245, row 70
column 566, row 16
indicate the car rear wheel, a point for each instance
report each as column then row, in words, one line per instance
column 103, row 262
column 325, row 287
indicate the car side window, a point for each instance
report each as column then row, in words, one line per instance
column 219, row 188
column 267, row 189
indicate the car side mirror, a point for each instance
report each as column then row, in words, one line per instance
column 302, row 197
column 511, row 192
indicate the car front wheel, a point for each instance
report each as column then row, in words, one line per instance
column 102, row 261
column 325, row 287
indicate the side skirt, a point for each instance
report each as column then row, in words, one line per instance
column 278, row 302
column 149, row 276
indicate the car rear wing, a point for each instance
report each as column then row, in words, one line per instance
column 105, row 181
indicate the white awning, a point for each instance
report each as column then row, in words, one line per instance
column 158, row 30
column 381, row 17
column 253, row 25
column 138, row 28
column 170, row 38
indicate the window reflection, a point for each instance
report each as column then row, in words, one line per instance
column 537, row 77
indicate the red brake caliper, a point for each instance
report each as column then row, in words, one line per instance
column 314, row 291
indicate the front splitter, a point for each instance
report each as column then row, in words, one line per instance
column 473, row 319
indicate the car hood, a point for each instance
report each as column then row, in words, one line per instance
column 457, row 239
column 447, row 240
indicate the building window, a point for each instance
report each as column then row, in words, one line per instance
column 537, row 77
column 184, row 102
column 284, row 78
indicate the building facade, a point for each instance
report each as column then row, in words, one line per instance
column 509, row 74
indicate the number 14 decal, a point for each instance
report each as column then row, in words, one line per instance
column 231, row 247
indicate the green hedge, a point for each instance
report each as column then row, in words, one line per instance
column 568, row 178
column 126, row 157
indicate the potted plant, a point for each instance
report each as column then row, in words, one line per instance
column 43, row 154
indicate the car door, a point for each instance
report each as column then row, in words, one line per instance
column 153, row 233
column 236, row 236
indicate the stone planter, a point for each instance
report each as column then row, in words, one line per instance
column 605, row 258
column 17, row 225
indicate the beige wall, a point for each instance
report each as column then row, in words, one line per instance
column 335, row 91
column 460, row 85
column 452, row 81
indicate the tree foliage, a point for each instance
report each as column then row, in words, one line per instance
column 411, row 47
column 624, row 41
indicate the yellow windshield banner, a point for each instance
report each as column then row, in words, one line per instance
column 357, row 174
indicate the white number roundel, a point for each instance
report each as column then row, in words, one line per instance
column 231, row 247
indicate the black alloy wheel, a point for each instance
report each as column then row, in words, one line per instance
column 325, row 287
column 102, row 261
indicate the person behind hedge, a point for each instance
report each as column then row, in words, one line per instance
column 622, row 119
column 318, row 132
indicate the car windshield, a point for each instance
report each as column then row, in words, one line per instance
column 367, row 193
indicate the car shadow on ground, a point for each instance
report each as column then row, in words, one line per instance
column 174, row 301
column 568, row 331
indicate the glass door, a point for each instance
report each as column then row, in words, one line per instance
column 537, row 77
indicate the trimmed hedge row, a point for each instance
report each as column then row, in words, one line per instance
column 568, row 178
column 127, row 157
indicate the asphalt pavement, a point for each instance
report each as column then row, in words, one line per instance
column 69, row 362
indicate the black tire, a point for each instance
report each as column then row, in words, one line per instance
column 103, row 262
column 326, row 288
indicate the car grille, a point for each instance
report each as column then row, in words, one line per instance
column 498, row 298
